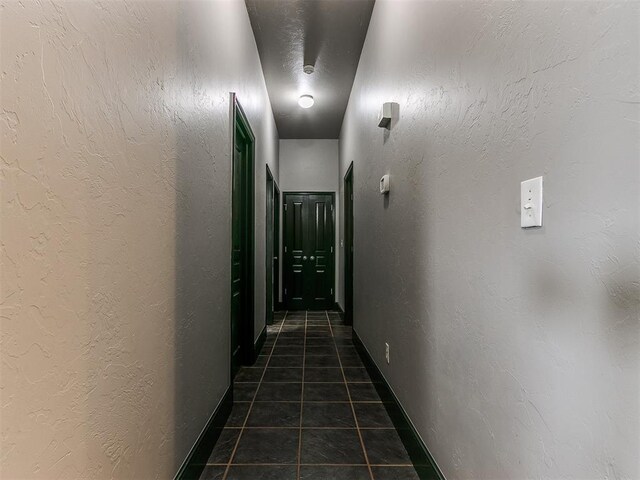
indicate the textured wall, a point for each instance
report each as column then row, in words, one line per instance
column 115, row 233
column 312, row 165
column 309, row 165
column 514, row 351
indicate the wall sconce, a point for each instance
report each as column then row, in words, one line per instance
column 390, row 111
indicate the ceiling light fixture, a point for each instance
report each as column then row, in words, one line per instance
column 308, row 69
column 305, row 101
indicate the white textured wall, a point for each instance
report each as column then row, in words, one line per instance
column 312, row 165
column 309, row 165
column 515, row 352
column 115, row 233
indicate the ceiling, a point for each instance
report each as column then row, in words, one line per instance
column 328, row 34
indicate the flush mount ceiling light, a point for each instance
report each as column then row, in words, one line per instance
column 305, row 101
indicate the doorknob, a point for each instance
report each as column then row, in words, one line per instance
column 312, row 258
column 304, row 258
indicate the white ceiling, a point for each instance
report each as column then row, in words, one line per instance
column 326, row 33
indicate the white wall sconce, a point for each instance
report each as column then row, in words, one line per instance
column 384, row 184
column 390, row 111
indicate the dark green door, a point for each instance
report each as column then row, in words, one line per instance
column 269, row 247
column 308, row 251
column 242, row 244
column 348, row 246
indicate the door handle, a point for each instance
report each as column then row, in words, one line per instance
column 312, row 258
column 304, row 258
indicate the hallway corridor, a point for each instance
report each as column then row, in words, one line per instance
column 309, row 409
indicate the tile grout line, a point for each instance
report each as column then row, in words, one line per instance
column 353, row 410
column 246, row 418
column 304, row 350
column 394, row 465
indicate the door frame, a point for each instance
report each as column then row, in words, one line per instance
column 348, row 246
column 247, row 321
column 277, row 204
column 272, row 240
column 332, row 274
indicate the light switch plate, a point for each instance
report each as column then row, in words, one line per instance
column 531, row 203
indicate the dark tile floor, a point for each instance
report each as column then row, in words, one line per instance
column 308, row 410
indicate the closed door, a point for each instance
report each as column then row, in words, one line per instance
column 242, row 244
column 270, row 246
column 308, row 251
column 348, row 246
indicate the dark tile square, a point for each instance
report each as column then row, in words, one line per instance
column 321, row 472
column 320, row 350
column 290, row 342
column 318, row 331
column 267, row 445
column 294, row 323
column 291, row 335
column 363, row 392
column 314, row 374
column 356, row 374
column 318, row 323
column 385, row 447
column 275, row 374
column 288, row 350
column 224, row 446
column 404, row 473
column 238, row 414
column 319, row 341
column 322, row 361
column 343, row 336
column 337, row 415
column 244, row 392
column 262, row 472
column 372, row 415
column 286, row 361
column 274, row 414
column 339, row 340
column 249, row 374
column 280, row 392
column 261, row 361
column 331, row 446
column 351, row 361
column 325, row 392
column 345, row 350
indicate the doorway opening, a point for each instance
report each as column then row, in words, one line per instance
column 309, row 251
column 242, row 239
column 272, row 247
column 348, row 246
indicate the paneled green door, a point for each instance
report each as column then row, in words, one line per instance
column 308, row 251
column 242, row 243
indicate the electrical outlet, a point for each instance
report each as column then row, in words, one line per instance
column 386, row 352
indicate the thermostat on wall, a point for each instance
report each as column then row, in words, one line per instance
column 384, row 184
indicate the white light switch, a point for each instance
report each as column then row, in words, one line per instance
column 531, row 203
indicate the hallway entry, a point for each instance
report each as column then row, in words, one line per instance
column 308, row 251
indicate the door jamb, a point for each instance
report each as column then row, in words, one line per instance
column 274, row 248
column 247, row 346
